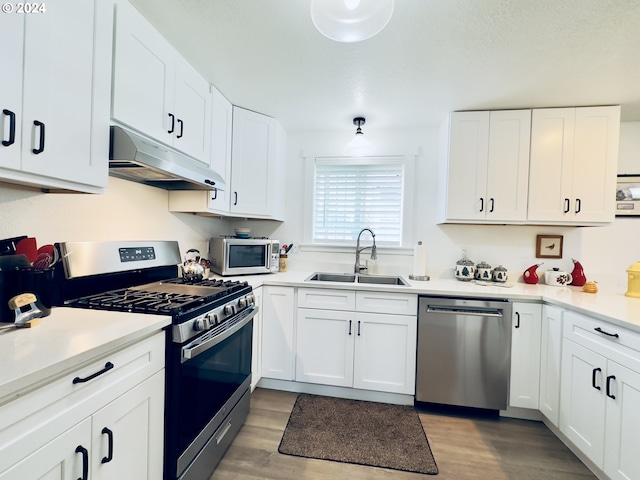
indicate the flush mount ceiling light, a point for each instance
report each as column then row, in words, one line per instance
column 350, row 20
column 358, row 147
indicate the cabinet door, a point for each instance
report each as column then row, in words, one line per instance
column 58, row 79
column 11, row 47
column 221, row 135
column 192, row 108
column 60, row 459
column 508, row 166
column 127, row 434
column 385, row 353
column 256, row 346
column 277, row 332
column 143, row 76
column 582, row 399
column 253, row 151
column 550, row 356
column 595, row 165
column 467, row 171
column 525, row 355
column 551, row 164
column 325, row 346
column 621, row 459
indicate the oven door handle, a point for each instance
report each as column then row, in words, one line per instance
column 195, row 348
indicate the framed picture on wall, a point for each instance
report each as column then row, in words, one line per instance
column 549, row 246
column 628, row 195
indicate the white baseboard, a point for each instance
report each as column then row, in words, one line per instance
column 330, row 391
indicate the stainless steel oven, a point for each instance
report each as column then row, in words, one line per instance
column 210, row 380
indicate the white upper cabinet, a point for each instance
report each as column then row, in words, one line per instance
column 487, row 168
column 221, row 135
column 248, row 151
column 574, row 156
column 257, row 165
column 54, row 97
column 214, row 202
column 155, row 91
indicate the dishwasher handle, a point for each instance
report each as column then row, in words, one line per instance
column 464, row 311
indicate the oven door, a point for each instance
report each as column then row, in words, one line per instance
column 206, row 378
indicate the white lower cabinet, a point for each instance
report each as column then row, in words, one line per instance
column 385, row 352
column 525, row 355
column 127, row 430
column 600, row 393
column 324, row 346
column 346, row 346
column 277, row 332
column 103, row 421
column 550, row 357
column 61, row 458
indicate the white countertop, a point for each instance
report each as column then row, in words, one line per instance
column 613, row 307
column 69, row 337
column 63, row 340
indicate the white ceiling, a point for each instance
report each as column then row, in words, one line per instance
column 433, row 57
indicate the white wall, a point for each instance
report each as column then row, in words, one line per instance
column 127, row 211
column 605, row 252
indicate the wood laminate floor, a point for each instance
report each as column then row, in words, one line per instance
column 465, row 448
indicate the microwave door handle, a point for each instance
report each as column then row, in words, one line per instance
column 196, row 348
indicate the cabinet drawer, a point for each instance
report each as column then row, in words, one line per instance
column 617, row 343
column 327, row 299
column 57, row 406
column 390, row 303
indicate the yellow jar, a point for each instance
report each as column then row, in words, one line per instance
column 633, row 273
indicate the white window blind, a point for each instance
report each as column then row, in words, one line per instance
column 352, row 194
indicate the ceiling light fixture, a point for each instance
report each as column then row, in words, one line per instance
column 358, row 147
column 350, row 20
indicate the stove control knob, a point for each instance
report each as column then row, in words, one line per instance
column 201, row 324
column 229, row 309
column 242, row 303
column 251, row 299
column 213, row 319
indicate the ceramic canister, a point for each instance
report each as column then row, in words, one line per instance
column 500, row 274
column 465, row 270
column 483, row 271
column 633, row 273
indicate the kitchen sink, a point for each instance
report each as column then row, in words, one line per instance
column 332, row 277
column 356, row 278
column 382, row 280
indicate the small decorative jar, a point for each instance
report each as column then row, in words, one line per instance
column 500, row 274
column 483, row 271
column 465, row 268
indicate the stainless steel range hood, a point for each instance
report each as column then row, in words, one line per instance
column 135, row 158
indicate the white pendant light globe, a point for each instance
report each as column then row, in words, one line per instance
column 350, row 20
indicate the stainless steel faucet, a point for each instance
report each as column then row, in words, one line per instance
column 374, row 255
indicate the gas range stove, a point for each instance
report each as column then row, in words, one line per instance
column 169, row 297
column 208, row 349
column 142, row 278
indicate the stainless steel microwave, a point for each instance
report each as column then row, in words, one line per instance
column 243, row 256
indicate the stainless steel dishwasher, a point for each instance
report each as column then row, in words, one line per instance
column 464, row 352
